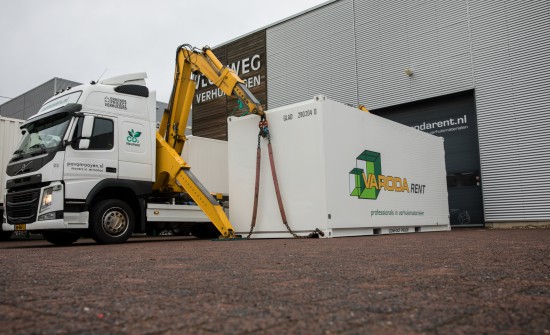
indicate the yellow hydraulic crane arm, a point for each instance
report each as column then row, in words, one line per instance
column 173, row 173
column 190, row 62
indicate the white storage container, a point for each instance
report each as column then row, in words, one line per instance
column 342, row 170
column 208, row 161
column 10, row 135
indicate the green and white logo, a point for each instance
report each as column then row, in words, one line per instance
column 368, row 164
column 366, row 179
column 132, row 138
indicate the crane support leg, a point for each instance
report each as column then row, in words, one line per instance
column 206, row 202
column 176, row 176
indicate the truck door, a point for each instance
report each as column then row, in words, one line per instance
column 85, row 167
column 135, row 150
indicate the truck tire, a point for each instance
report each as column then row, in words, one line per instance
column 205, row 230
column 151, row 230
column 5, row 235
column 61, row 237
column 111, row 221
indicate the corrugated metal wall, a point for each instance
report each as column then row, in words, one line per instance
column 511, row 53
column 28, row 104
column 356, row 51
column 430, row 38
column 311, row 54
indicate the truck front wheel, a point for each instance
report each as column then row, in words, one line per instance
column 5, row 235
column 111, row 221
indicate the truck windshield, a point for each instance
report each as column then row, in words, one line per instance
column 43, row 136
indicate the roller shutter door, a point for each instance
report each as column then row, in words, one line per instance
column 452, row 117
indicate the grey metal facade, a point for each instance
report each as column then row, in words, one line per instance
column 312, row 54
column 356, row 51
column 511, row 56
column 28, row 104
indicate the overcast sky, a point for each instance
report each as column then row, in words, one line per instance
column 78, row 40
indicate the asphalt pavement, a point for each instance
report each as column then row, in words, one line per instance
column 467, row 281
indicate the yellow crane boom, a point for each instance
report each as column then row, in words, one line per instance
column 173, row 173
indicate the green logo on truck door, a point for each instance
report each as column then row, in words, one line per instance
column 366, row 179
column 132, row 138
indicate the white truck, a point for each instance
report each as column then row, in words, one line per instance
column 91, row 162
column 10, row 135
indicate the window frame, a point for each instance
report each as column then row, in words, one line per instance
column 75, row 138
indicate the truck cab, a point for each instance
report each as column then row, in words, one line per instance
column 91, row 146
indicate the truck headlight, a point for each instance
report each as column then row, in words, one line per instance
column 46, row 199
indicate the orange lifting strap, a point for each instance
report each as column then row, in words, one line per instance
column 264, row 132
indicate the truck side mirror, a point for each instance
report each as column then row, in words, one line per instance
column 87, row 126
column 84, row 144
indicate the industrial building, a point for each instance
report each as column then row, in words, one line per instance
column 473, row 72
column 27, row 104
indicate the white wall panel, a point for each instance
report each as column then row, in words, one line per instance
column 208, row 160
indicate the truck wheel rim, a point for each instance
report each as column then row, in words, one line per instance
column 115, row 221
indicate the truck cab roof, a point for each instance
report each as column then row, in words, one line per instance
column 124, row 94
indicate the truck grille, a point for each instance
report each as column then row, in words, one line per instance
column 21, row 206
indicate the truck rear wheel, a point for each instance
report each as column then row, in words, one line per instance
column 111, row 221
column 60, row 237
